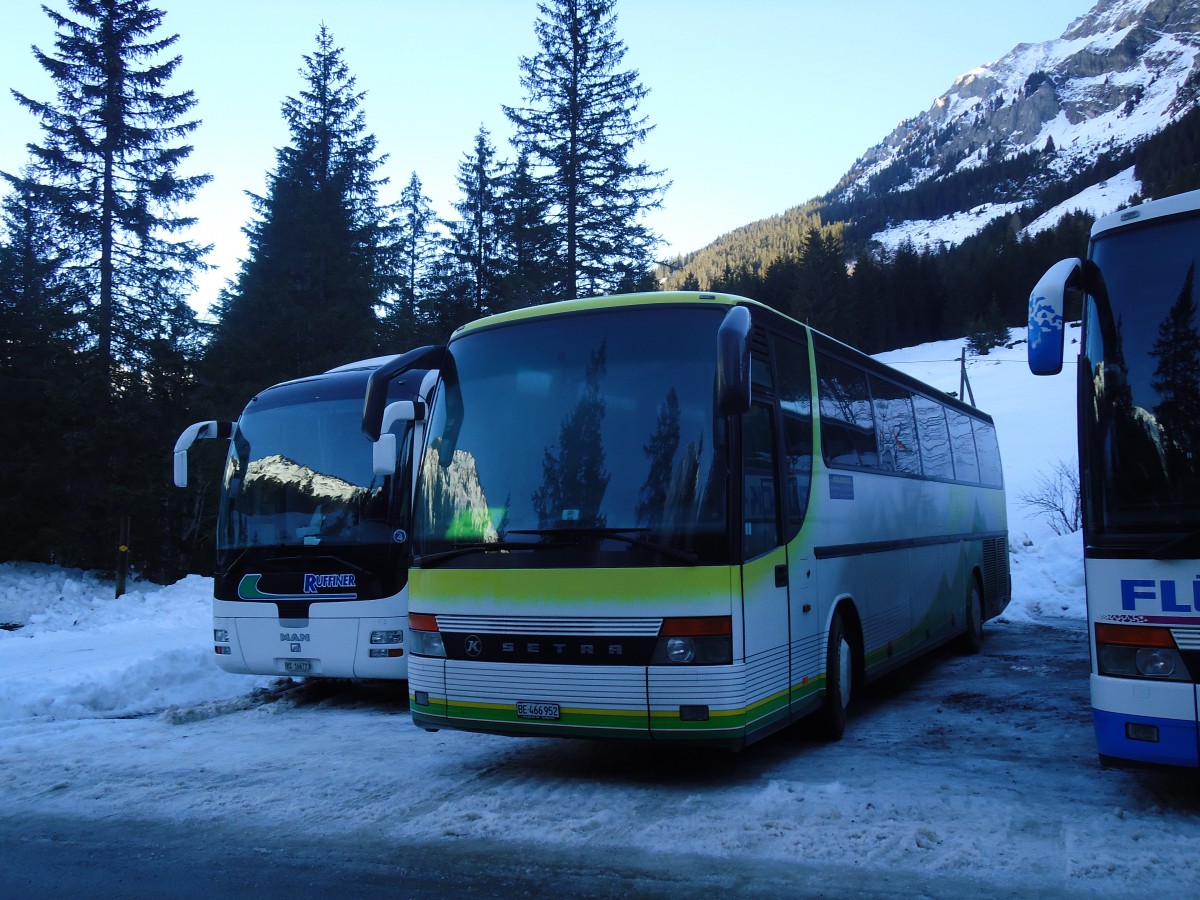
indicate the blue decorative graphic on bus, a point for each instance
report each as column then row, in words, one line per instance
column 248, row 588
column 1044, row 320
column 314, row 583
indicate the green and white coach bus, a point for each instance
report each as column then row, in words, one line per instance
column 686, row 517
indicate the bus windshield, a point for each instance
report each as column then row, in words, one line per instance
column 300, row 474
column 1141, row 424
column 591, row 437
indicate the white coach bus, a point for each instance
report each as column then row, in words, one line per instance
column 687, row 517
column 312, row 544
column 1139, row 430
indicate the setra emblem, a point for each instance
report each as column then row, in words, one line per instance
column 473, row 645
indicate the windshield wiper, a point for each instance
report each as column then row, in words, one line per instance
column 623, row 535
column 483, row 547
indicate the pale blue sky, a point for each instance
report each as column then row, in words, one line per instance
column 758, row 105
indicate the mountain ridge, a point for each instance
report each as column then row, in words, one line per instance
column 1013, row 139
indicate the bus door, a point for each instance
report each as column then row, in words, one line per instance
column 796, row 429
column 765, row 575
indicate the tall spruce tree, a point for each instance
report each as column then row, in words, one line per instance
column 40, row 404
column 580, row 125
column 319, row 256
column 411, row 317
column 527, row 238
column 108, row 166
column 106, row 186
column 475, row 236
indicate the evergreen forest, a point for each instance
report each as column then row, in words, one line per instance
column 816, row 263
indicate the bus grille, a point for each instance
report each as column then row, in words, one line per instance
column 1186, row 638
column 997, row 586
column 559, row 625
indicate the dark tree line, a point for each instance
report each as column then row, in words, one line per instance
column 815, row 261
column 103, row 362
column 98, row 338
column 884, row 300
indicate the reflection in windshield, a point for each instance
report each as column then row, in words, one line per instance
column 598, row 424
column 301, row 475
column 1143, row 351
column 574, row 479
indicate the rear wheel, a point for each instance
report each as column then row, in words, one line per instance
column 972, row 640
column 839, row 682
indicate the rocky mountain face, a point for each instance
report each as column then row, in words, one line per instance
column 1117, row 75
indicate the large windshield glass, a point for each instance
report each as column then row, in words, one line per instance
column 591, row 436
column 1142, row 419
column 300, row 474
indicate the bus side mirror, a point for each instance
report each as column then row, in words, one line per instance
column 375, row 401
column 1047, row 304
column 383, row 455
column 384, row 450
column 191, row 434
column 733, row 362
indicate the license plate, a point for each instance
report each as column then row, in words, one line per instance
column 297, row 666
column 529, row 710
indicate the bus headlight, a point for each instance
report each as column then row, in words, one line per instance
column 1155, row 662
column 1138, row 651
column 221, row 635
column 387, row 637
column 427, row 643
column 424, row 639
column 697, row 641
column 681, row 649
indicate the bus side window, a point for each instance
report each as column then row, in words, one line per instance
column 847, row 423
column 895, row 432
column 760, row 490
column 962, row 445
column 990, row 471
column 797, row 439
column 795, row 400
column 934, row 438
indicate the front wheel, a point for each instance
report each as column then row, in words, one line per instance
column 839, row 682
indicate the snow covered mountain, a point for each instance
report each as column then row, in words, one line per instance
column 1039, row 116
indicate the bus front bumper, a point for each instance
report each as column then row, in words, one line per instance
column 1146, row 722
column 627, row 702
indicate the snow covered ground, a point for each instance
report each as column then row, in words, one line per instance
column 961, row 775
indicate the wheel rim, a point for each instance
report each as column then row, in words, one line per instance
column 844, row 672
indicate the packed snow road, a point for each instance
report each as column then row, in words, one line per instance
column 959, row 775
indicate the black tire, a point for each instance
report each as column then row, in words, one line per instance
column 839, row 682
column 971, row 641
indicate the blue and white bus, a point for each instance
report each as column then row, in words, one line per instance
column 312, row 534
column 1139, row 459
column 687, row 517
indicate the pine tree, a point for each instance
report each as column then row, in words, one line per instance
column 580, row 126
column 411, row 321
column 105, row 186
column 527, row 238
column 824, row 288
column 108, row 165
column 319, row 258
column 40, row 403
column 474, row 242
